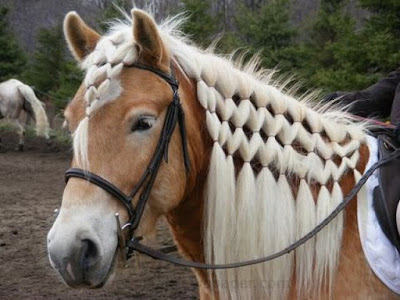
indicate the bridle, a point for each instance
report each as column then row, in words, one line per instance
column 175, row 114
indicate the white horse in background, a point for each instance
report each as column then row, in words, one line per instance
column 17, row 98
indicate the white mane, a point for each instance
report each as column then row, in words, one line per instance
column 279, row 139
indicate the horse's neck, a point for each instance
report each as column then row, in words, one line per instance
column 186, row 219
column 186, row 225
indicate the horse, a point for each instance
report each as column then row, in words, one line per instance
column 17, row 98
column 265, row 168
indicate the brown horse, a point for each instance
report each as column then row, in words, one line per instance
column 265, row 169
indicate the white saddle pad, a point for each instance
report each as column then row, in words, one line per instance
column 381, row 255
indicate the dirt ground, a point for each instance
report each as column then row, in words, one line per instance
column 31, row 185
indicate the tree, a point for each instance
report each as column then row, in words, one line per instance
column 200, row 25
column 51, row 70
column 339, row 57
column 266, row 28
column 70, row 79
column 113, row 11
column 12, row 59
column 382, row 35
column 48, row 59
column 334, row 56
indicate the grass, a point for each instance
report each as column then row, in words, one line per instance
column 7, row 127
column 58, row 135
column 61, row 137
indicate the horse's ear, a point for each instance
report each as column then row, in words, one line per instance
column 152, row 50
column 80, row 37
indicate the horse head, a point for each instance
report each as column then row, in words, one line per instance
column 116, row 119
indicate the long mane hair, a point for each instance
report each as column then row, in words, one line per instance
column 275, row 166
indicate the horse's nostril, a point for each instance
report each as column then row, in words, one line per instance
column 89, row 253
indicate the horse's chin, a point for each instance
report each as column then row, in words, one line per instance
column 110, row 274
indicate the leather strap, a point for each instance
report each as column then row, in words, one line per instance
column 159, row 255
column 170, row 79
column 102, row 183
column 387, row 193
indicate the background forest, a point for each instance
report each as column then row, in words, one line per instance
column 335, row 45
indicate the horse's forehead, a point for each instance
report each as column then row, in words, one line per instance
column 139, row 89
column 144, row 86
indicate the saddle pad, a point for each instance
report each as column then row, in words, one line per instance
column 381, row 255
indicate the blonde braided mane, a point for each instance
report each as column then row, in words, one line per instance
column 280, row 142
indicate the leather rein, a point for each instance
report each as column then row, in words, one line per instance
column 174, row 115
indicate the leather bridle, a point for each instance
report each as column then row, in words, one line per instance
column 175, row 114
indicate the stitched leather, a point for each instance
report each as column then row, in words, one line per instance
column 387, row 194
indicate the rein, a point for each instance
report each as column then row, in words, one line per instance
column 175, row 114
column 160, row 255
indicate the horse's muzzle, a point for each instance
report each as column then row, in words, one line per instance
column 83, row 249
column 77, row 263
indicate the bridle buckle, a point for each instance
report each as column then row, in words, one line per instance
column 122, row 249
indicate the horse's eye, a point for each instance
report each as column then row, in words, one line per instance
column 143, row 123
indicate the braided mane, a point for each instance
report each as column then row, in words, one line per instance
column 284, row 147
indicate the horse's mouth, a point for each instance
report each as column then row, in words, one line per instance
column 86, row 283
column 109, row 275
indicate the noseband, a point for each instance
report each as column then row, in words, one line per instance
column 175, row 114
